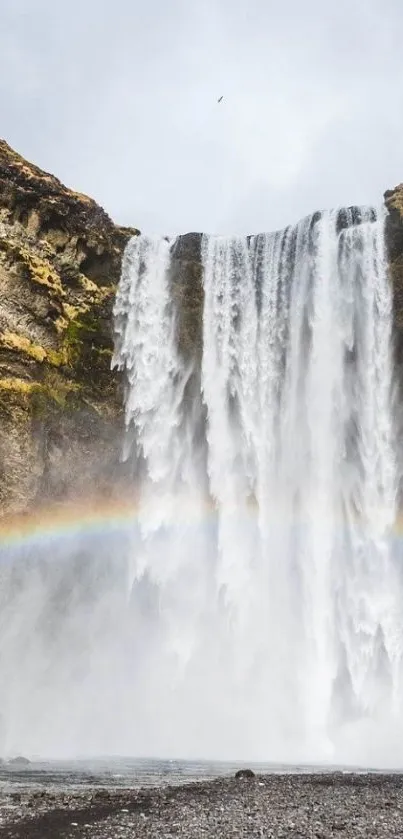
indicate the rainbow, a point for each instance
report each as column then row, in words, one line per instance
column 104, row 517
column 63, row 521
column 88, row 518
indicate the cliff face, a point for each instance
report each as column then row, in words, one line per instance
column 60, row 406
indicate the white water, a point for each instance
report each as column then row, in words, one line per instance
column 289, row 613
column 254, row 611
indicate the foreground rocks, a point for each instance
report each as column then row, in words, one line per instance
column 275, row 806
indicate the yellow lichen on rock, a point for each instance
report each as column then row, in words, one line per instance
column 42, row 272
column 71, row 312
column 53, row 387
column 23, row 345
column 88, row 285
column 14, row 385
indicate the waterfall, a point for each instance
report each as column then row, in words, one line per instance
column 272, row 553
column 249, row 604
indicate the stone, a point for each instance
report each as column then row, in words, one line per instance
column 244, row 774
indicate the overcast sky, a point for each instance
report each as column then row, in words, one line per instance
column 118, row 98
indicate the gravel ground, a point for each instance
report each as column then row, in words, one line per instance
column 347, row 806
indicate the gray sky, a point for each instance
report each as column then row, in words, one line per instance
column 118, row 98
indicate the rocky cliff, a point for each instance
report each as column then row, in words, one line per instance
column 60, row 405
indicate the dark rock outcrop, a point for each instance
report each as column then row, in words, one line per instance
column 394, row 244
column 187, row 290
column 244, row 774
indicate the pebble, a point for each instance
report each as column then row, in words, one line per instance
column 274, row 806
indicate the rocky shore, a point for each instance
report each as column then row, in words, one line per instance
column 315, row 806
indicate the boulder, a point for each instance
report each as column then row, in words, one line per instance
column 244, row 774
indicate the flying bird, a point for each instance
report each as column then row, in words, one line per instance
column 220, row 99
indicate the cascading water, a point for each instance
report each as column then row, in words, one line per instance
column 284, row 604
column 252, row 608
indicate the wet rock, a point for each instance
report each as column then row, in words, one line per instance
column 394, row 247
column 245, row 773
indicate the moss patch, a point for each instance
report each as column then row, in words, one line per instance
column 18, row 386
column 19, row 343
